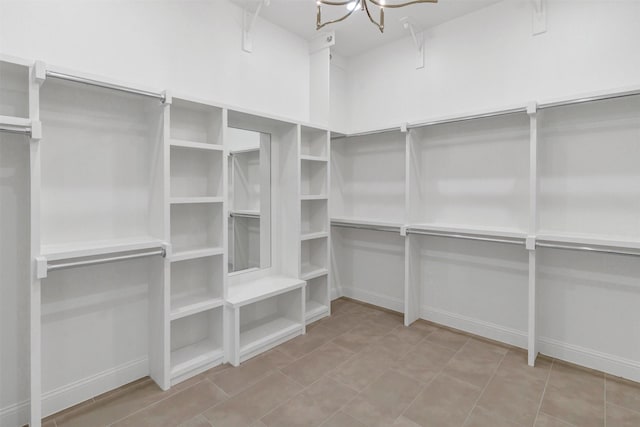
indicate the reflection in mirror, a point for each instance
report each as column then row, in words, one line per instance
column 249, row 200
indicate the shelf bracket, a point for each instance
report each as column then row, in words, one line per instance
column 41, row 267
column 530, row 243
column 539, row 19
column 36, row 130
column 248, row 23
column 404, row 127
column 168, row 98
column 418, row 40
column 39, row 72
column 322, row 41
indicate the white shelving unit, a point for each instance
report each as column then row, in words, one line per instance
column 198, row 233
column 315, row 144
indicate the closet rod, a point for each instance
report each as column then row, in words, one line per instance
column 587, row 249
column 387, row 229
column 589, row 99
column 243, row 215
column 465, row 237
column 17, row 130
column 91, row 82
column 467, row 118
column 53, row 267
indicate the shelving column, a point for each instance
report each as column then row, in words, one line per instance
column 412, row 294
column 314, row 239
column 198, row 232
column 533, row 225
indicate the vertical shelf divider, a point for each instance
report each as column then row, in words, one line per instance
column 531, row 239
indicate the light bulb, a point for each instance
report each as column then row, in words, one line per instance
column 351, row 6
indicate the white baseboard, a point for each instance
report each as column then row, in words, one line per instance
column 475, row 326
column 374, row 298
column 335, row 293
column 71, row 394
column 609, row 363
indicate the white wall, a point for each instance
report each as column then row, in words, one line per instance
column 190, row 47
column 490, row 59
column 338, row 101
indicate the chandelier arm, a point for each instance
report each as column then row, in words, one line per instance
column 320, row 25
column 373, row 21
column 393, row 6
column 335, row 3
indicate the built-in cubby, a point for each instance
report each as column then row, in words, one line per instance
column 195, row 123
column 317, row 294
column 313, row 143
column 314, row 258
column 196, row 228
column 315, row 217
column 196, row 173
column 14, row 90
column 314, row 177
column 589, row 174
column 196, row 343
column 196, row 285
column 368, row 177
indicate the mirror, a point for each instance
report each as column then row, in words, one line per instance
column 249, row 182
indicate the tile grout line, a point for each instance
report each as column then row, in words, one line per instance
column 485, row 388
column 605, row 400
column 544, row 391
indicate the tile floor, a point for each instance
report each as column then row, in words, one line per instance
column 361, row 367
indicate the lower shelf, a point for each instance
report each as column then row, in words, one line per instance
column 188, row 304
column 315, row 311
column 191, row 357
column 265, row 333
column 309, row 271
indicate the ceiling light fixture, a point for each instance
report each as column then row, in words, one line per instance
column 353, row 5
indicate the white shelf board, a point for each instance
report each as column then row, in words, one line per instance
column 309, row 271
column 189, row 304
column 15, row 121
column 315, row 309
column 587, row 239
column 192, row 356
column 313, row 197
column 194, row 200
column 245, row 212
column 195, row 253
column 316, row 235
column 196, row 145
column 311, row 158
column 260, row 289
column 265, row 333
column 475, row 230
column 246, row 150
column 100, row 247
column 367, row 222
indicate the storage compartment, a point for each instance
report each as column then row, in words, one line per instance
column 589, row 173
column 314, row 142
column 195, row 122
column 196, row 285
column 196, row 173
column 267, row 323
column 196, row 342
column 314, row 178
column 317, row 294
column 314, row 258
column 14, row 90
column 368, row 177
column 101, row 174
column 472, row 174
column 314, row 216
column 196, row 227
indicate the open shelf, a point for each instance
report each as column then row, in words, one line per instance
column 311, row 236
column 473, row 173
column 196, row 226
column 259, row 289
column 314, row 178
column 194, row 200
column 196, row 173
column 317, row 294
column 314, row 257
column 307, row 158
column 314, row 142
column 589, row 174
column 14, row 90
column 196, row 123
column 366, row 223
column 314, row 215
column 196, row 342
column 196, row 285
column 101, row 247
column 195, row 254
column 195, row 145
column 270, row 321
column 368, row 175
column 475, row 231
column 585, row 239
column 305, row 197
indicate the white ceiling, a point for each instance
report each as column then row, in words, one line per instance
column 356, row 34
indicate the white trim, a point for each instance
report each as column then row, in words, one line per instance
column 605, row 362
column 71, row 394
column 336, row 292
column 384, row 301
column 15, row 415
column 475, row 326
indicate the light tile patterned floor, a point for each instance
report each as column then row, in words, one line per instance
column 361, row 367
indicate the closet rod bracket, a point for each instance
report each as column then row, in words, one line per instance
column 168, row 97
column 39, row 72
column 530, row 243
column 532, row 108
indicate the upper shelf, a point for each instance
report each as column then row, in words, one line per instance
column 366, row 223
column 260, row 289
column 473, row 231
column 589, row 240
column 196, row 145
column 101, row 247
